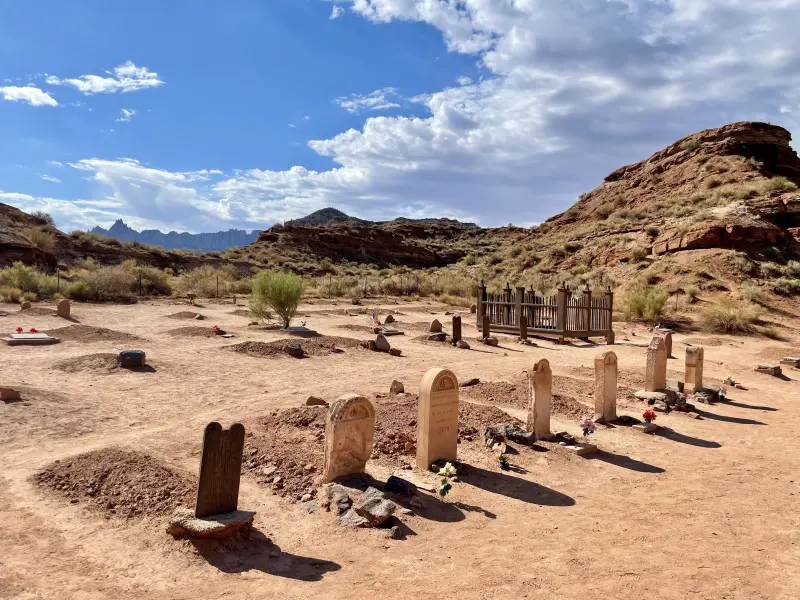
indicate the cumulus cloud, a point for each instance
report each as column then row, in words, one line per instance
column 377, row 100
column 126, row 115
column 30, row 94
column 337, row 12
column 127, row 77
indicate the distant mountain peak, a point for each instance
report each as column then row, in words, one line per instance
column 319, row 217
column 220, row 240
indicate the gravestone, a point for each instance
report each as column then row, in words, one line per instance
column 456, row 330
column 349, row 431
column 667, row 335
column 25, row 305
column 605, row 387
column 655, row 377
column 62, row 308
column 30, row 339
column 131, row 359
column 693, row 380
column 436, row 326
column 540, row 390
column 437, row 421
column 486, row 329
column 220, row 470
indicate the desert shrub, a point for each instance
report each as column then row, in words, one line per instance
column 778, row 184
column 557, row 252
column 44, row 216
column 774, row 253
column 79, row 290
column 240, row 286
column 20, row 275
column 771, row 332
column 786, row 286
column 41, row 238
column 280, row 292
column 770, row 270
column 652, row 231
column 515, row 251
column 752, row 293
column 494, row 259
column 46, row 285
column 692, row 146
column 470, row 260
column 744, row 264
column 10, row 294
column 727, row 315
column 571, row 247
column 646, row 302
column 154, row 282
column 455, row 300
column 793, row 268
column 712, row 182
column 202, row 281
column 29, row 297
column 110, row 283
column 603, row 211
column 638, row 254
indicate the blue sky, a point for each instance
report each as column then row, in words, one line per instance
column 202, row 116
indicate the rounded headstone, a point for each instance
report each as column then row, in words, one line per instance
column 62, row 308
column 25, row 305
column 389, row 319
column 381, row 343
column 397, row 387
column 462, row 344
column 131, row 359
column 473, row 309
column 436, row 326
column 294, row 350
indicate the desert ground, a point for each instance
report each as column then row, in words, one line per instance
column 707, row 508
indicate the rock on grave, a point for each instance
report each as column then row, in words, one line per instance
column 540, row 384
column 352, row 519
column 395, row 352
column 491, row 341
column 62, row 308
column 470, row 382
column 184, row 524
column 9, row 395
column 397, row 387
column 349, row 432
column 294, row 350
column 389, row 319
column 492, row 436
column 398, row 485
column 774, row 370
column 436, row 326
column 25, row 305
column 462, row 344
column 438, row 337
column 131, row 359
column 605, row 387
column 314, row 401
column 437, row 420
column 656, row 371
column 199, row 317
column 694, row 369
column 381, row 343
column 374, row 507
column 517, row 434
column 334, row 497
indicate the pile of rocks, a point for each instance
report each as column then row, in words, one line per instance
column 381, row 344
column 371, row 510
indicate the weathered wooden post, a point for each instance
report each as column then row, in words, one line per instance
column 587, row 311
column 486, row 328
column 480, row 304
column 561, row 312
column 456, row 335
column 507, row 305
column 523, row 328
column 609, row 302
column 518, row 298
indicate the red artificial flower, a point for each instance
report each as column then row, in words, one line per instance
column 215, row 327
column 649, row 415
column 19, row 329
column 33, row 330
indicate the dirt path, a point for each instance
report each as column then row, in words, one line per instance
column 709, row 508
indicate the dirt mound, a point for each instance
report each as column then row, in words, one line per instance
column 196, row 331
column 184, row 314
column 704, row 341
column 119, row 483
column 40, row 311
column 566, row 406
column 360, row 328
column 499, row 392
column 102, row 362
column 317, row 346
column 241, row 312
column 87, row 333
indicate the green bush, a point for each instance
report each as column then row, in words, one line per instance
column 79, row 290
column 470, row 260
column 42, row 239
column 203, row 281
column 29, row 297
column 652, row 231
column 111, row 283
column 726, row 315
column 778, row 184
column 280, row 292
column 786, row 286
column 752, row 293
column 692, row 146
column 154, row 281
column 10, row 294
column 21, row 276
column 638, row 254
column 645, row 302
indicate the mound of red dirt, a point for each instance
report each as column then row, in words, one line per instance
column 87, row 333
column 103, row 362
column 196, row 331
column 119, row 483
column 315, row 346
column 184, row 314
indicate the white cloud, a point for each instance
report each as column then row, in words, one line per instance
column 50, row 178
column 127, row 115
column 127, row 77
column 464, row 80
column 30, row 94
column 55, row 163
column 292, row 125
column 306, row 118
column 337, row 12
column 377, row 100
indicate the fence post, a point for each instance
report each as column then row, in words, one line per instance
column 609, row 298
column 507, row 307
column 58, row 280
column 518, row 306
column 217, row 285
column 486, row 330
column 587, row 310
column 561, row 313
column 523, row 328
column 480, row 307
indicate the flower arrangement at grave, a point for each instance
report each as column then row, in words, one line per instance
column 19, row 329
column 216, row 329
column 446, row 473
column 729, row 380
column 502, row 458
column 588, row 427
column 33, row 330
column 649, row 416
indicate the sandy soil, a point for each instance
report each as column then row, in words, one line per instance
column 708, row 508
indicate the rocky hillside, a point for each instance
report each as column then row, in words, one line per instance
column 220, row 240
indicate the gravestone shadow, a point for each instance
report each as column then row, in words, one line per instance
column 750, row 406
column 258, row 553
column 514, row 487
column 625, row 462
column 727, row 419
column 144, row 369
column 671, row 434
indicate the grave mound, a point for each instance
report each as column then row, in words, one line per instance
column 241, row 312
column 315, row 346
column 516, row 395
column 196, row 331
column 40, row 311
column 119, row 483
column 184, row 314
column 88, row 334
column 102, row 362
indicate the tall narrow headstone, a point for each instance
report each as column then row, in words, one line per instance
column 349, row 431
column 667, row 335
column 693, row 380
column 656, row 372
column 486, row 330
column 605, row 387
column 220, row 470
column 540, row 388
column 456, row 329
column 437, row 422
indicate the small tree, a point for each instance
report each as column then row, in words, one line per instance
column 280, row 292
